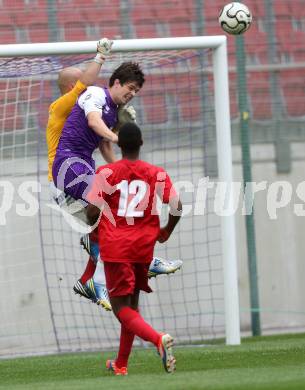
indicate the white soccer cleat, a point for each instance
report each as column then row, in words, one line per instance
column 160, row 266
column 165, row 351
column 95, row 292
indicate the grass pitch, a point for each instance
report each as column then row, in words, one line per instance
column 275, row 362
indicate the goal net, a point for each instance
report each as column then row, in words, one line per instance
column 41, row 258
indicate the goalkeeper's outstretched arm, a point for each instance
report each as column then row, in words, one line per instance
column 90, row 75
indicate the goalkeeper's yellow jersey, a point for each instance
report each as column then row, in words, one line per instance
column 59, row 111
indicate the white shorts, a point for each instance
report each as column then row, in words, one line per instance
column 68, row 204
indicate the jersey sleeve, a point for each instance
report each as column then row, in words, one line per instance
column 100, row 187
column 65, row 103
column 166, row 190
column 92, row 100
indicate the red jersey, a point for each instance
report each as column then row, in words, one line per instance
column 127, row 191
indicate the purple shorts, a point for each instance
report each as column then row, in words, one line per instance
column 73, row 175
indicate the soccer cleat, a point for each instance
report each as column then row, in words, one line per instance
column 160, row 266
column 165, row 351
column 91, row 247
column 94, row 291
column 110, row 365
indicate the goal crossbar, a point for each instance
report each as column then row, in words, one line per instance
column 120, row 45
column 223, row 134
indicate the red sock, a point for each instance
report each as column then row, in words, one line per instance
column 126, row 342
column 89, row 271
column 94, row 235
column 133, row 321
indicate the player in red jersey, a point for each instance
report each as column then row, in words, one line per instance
column 124, row 195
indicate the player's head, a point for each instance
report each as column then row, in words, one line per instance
column 130, row 139
column 125, row 82
column 67, row 78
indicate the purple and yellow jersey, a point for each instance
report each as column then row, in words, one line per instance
column 59, row 111
column 78, row 139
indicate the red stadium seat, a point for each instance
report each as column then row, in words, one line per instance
column 190, row 106
column 7, row 18
column 38, row 33
column 75, row 31
column 104, row 21
column 259, row 95
column 212, row 9
column 290, row 40
column 71, row 23
column 180, row 17
column 256, row 43
column 292, row 84
column 143, row 19
column 155, row 108
column 257, row 8
column 7, row 34
column 234, row 110
column 281, row 8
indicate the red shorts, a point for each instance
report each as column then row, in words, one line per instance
column 126, row 278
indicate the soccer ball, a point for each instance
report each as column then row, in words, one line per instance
column 235, row 18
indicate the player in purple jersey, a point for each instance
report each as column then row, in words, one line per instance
column 90, row 126
column 96, row 113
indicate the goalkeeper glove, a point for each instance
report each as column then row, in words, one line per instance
column 127, row 114
column 103, row 50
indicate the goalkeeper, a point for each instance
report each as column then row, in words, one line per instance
column 88, row 126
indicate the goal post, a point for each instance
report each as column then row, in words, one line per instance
column 223, row 144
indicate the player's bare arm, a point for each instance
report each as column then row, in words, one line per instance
column 93, row 213
column 107, row 151
column 98, row 125
column 173, row 218
column 103, row 51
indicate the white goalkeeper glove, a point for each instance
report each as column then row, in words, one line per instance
column 104, row 46
column 127, row 114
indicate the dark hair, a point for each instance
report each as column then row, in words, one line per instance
column 130, row 138
column 128, row 72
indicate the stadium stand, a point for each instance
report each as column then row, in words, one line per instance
column 260, row 97
column 142, row 20
column 292, row 83
column 79, row 21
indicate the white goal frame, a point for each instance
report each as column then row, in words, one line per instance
column 223, row 134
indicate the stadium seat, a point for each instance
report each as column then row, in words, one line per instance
column 101, row 7
column 103, row 21
column 259, row 95
column 75, row 31
column 257, row 9
column 74, row 28
column 190, row 106
column 292, row 83
column 256, row 43
column 281, row 8
column 143, row 20
column 290, row 40
column 38, row 33
column 179, row 15
column 212, row 9
column 234, row 110
column 7, row 33
column 155, row 107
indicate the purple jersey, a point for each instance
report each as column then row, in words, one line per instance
column 78, row 141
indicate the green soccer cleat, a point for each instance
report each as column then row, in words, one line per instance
column 165, row 351
column 94, row 291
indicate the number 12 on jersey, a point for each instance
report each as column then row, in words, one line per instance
column 138, row 188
